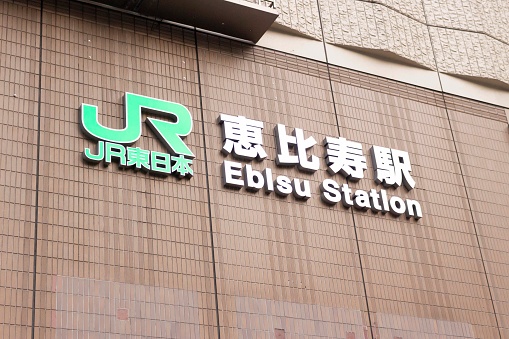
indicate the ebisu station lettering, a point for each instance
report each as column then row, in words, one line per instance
column 242, row 138
column 112, row 144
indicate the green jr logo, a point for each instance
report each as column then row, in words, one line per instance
column 111, row 141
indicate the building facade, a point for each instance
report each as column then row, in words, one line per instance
column 105, row 235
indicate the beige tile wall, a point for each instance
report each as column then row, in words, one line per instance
column 483, row 151
column 430, row 268
column 102, row 225
column 19, row 68
column 298, row 254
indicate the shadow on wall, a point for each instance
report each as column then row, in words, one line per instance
column 488, row 82
column 385, row 55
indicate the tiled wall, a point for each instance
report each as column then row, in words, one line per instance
column 124, row 254
column 87, row 308
column 439, row 255
column 102, row 224
column 19, row 69
column 301, row 254
column 483, row 152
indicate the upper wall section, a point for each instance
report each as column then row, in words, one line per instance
column 488, row 17
column 471, row 54
column 458, row 37
column 301, row 16
column 455, row 46
column 377, row 27
column 411, row 8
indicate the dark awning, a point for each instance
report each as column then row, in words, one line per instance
column 236, row 18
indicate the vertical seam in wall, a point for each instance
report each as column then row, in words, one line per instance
column 362, row 271
column 208, row 185
column 461, row 170
column 328, row 68
column 37, row 172
column 339, row 134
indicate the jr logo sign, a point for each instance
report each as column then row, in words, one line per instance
column 112, row 142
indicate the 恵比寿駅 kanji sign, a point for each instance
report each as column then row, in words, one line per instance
column 243, row 139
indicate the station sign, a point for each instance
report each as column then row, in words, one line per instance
column 243, row 139
column 112, row 143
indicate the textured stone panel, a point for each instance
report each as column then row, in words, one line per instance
column 472, row 54
column 490, row 17
column 301, row 16
column 298, row 15
column 472, row 38
column 375, row 26
column 412, row 8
